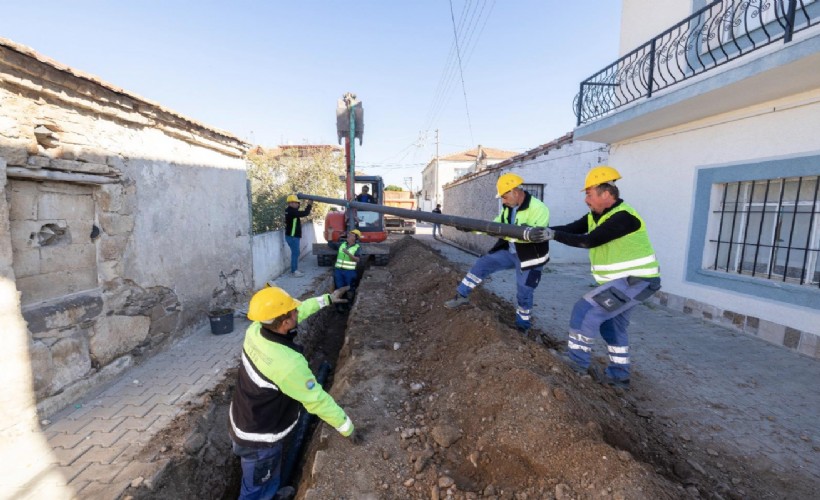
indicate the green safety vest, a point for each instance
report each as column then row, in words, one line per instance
column 630, row 255
column 343, row 261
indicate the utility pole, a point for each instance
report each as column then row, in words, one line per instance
column 435, row 197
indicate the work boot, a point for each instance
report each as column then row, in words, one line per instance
column 285, row 493
column 581, row 371
column 298, row 273
column 457, row 301
column 600, row 377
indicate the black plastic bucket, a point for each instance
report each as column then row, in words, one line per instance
column 221, row 321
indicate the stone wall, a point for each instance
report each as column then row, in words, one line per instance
column 126, row 222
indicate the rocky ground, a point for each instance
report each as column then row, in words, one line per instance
column 455, row 404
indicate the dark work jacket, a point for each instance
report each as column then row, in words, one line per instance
column 293, row 226
column 533, row 254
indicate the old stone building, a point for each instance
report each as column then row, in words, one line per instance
column 122, row 224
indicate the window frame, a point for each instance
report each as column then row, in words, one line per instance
column 708, row 196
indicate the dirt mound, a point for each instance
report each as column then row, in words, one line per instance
column 459, row 403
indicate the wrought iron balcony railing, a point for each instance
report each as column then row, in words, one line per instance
column 722, row 31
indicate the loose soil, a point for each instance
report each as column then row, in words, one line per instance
column 453, row 404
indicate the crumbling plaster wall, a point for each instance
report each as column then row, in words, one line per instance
column 127, row 222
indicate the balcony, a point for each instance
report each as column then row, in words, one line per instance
column 727, row 55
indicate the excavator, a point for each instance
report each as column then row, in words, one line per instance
column 368, row 216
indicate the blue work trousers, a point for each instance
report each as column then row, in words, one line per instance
column 605, row 311
column 526, row 281
column 261, row 469
column 293, row 243
column 345, row 277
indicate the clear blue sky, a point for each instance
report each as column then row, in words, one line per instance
column 270, row 72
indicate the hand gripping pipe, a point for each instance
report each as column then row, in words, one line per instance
column 493, row 228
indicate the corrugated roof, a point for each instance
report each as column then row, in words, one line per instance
column 487, row 153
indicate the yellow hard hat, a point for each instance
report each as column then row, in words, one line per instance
column 506, row 182
column 269, row 303
column 292, row 198
column 357, row 233
column 600, row 175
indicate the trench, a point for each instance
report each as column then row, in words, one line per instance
column 211, row 470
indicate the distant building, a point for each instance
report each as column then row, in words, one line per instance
column 440, row 171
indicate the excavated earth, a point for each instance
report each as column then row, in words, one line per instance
column 450, row 404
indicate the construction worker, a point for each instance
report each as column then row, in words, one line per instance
column 293, row 230
column 365, row 196
column 273, row 385
column 345, row 274
column 437, row 227
column 625, row 268
column 527, row 257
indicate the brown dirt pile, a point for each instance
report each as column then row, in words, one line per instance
column 459, row 404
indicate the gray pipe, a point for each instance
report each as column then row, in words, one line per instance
column 493, row 228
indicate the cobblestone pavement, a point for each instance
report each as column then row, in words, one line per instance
column 761, row 398
column 94, row 442
column 737, row 393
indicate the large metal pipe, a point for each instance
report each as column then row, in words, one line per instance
column 494, row 228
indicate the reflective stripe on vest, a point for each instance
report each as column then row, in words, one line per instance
column 343, row 261
column 269, row 437
column 629, row 255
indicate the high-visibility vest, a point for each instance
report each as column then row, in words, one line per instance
column 343, row 261
column 630, row 255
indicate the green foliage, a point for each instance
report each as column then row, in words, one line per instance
column 277, row 173
column 393, row 187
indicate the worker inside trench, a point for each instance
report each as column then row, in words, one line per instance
column 445, row 401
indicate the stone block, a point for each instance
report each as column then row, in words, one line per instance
column 791, row 338
column 69, row 361
column 116, row 335
column 109, row 197
column 23, row 200
column 319, row 461
column 115, row 162
column 675, row 302
column 79, row 166
column 26, row 262
column 115, row 225
column 38, row 162
column 60, row 315
column 112, row 247
column 78, row 205
column 40, row 362
column 93, row 157
column 15, row 153
column 51, row 285
column 109, row 270
column 752, row 324
column 78, row 258
column 809, row 345
column 771, row 332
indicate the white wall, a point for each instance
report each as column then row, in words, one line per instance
column 271, row 255
column 641, row 20
column 659, row 173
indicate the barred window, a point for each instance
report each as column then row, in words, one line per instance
column 536, row 190
column 769, row 229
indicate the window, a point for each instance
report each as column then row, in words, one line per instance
column 536, row 190
column 769, row 229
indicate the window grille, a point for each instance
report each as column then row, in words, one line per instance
column 769, row 229
column 536, row 190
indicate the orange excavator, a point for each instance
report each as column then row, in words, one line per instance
column 350, row 125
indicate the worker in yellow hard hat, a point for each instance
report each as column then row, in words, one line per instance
column 293, row 230
column 345, row 273
column 527, row 258
column 625, row 267
column 273, row 385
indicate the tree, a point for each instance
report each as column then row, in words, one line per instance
column 279, row 172
column 393, row 187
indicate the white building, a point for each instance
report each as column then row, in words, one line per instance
column 442, row 170
column 720, row 153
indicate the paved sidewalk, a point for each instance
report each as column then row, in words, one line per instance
column 94, row 442
column 712, row 386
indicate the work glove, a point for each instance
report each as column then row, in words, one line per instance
column 338, row 295
column 539, row 234
column 356, row 437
